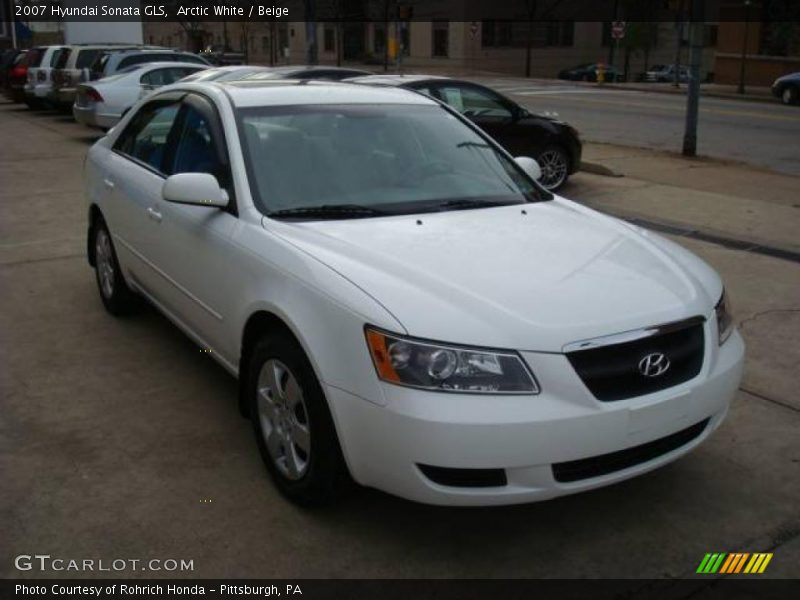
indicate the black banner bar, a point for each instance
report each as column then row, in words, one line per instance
column 404, row 10
column 708, row 588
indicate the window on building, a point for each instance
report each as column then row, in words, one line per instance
column 329, row 40
column 441, row 38
column 779, row 38
column 517, row 34
column 265, row 44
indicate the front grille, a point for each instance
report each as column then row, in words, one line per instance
column 612, row 372
column 465, row 477
column 596, row 466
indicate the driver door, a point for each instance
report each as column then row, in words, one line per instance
column 489, row 111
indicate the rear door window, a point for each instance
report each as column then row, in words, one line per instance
column 35, row 57
column 86, row 58
column 56, row 55
column 63, row 58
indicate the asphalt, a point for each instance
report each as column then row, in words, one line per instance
column 121, row 439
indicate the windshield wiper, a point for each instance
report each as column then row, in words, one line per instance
column 328, row 211
column 467, row 203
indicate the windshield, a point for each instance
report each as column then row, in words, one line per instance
column 387, row 159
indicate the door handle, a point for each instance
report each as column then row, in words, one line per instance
column 108, row 183
column 154, row 214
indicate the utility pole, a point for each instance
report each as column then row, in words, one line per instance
column 13, row 24
column 612, row 42
column 740, row 89
column 676, row 75
column 695, row 58
column 311, row 32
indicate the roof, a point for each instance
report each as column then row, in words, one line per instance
column 395, row 80
column 250, row 93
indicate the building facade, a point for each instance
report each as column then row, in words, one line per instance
column 537, row 49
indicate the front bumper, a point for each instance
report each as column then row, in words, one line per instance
column 524, row 435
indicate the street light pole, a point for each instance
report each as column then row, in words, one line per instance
column 744, row 46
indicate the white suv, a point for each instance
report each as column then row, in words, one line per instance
column 400, row 300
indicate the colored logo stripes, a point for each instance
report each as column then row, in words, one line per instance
column 734, row 562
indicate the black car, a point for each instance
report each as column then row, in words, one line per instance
column 588, row 72
column 554, row 144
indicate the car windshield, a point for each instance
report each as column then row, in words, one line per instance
column 374, row 159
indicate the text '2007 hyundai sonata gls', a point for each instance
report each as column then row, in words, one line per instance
column 399, row 299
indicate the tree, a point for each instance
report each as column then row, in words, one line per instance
column 639, row 37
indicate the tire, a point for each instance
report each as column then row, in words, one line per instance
column 555, row 164
column 789, row 95
column 117, row 297
column 292, row 423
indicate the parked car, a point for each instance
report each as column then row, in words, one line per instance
column 16, row 76
column 666, row 73
column 40, row 71
column 221, row 57
column 72, row 68
column 112, row 61
column 229, row 73
column 555, row 144
column 787, row 88
column 102, row 103
column 316, row 72
column 588, row 72
column 401, row 301
column 7, row 58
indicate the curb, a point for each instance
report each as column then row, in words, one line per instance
column 598, row 169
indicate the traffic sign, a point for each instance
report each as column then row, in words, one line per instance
column 618, row 30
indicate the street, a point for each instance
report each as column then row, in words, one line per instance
column 759, row 133
column 121, row 438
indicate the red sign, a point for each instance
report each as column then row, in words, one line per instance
column 618, row 30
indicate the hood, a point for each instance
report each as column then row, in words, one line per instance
column 499, row 278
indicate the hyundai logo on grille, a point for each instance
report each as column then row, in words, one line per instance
column 654, row 364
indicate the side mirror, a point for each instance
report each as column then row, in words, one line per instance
column 530, row 166
column 197, row 189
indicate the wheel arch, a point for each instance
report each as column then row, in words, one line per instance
column 259, row 324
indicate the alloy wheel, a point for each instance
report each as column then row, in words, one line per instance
column 283, row 418
column 104, row 260
column 553, row 163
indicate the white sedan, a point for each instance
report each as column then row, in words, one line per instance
column 102, row 103
column 401, row 302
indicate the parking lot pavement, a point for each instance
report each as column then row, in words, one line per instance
column 121, row 439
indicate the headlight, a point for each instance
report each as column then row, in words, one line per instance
column 724, row 318
column 443, row 368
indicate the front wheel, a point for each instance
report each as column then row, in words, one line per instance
column 789, row 95
column 117, row 297
column 293, row 425
column 554, row 163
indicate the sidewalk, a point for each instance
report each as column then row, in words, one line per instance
column 717, row 198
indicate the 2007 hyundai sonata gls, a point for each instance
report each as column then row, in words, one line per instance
column 401, row 302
